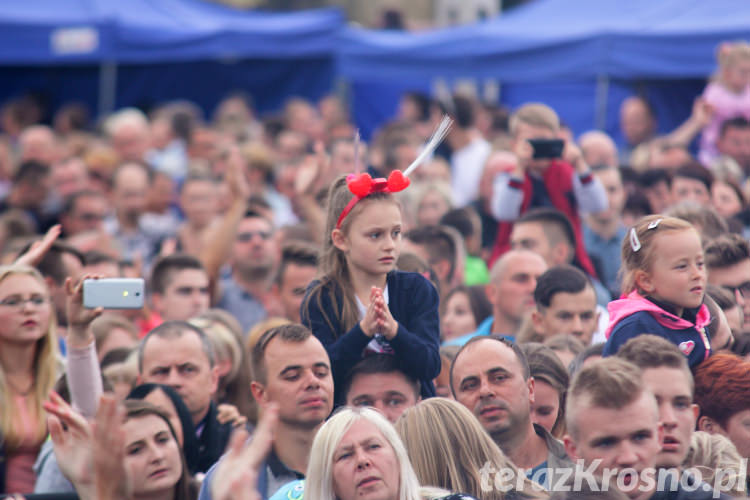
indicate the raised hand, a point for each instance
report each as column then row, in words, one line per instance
column 236, row 475
column 39, row 248
column 573, row 155
column 230, row 413
column 110, row 477
column 72, row 443
column 79, row 318
column 235, row 178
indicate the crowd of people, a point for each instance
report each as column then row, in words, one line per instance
column 510, row 312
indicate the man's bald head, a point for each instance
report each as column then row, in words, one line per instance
column 511, row 289
column 38, row 143
column 507, row 261
column 598, row 148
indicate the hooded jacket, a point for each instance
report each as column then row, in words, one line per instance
column 637, row 315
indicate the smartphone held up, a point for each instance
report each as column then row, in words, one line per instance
column 113, row 293
column 547, row 148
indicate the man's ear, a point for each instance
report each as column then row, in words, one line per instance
column 696, row 411
column 214, row 379
column 490, row 291
column 570, row 446
column 530, row 385
column 157, row 302
column 258, row 392
column 562, row 254
column 340, row 240
column 537, row 321
column 707, row 424
column 442, row 268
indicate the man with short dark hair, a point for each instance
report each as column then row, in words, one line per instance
column 691, row 182
column 298, row 267
column 179, row 287
column 59, row 262
column 728, row 265
column 613, row 424
column 378, row 381
column 549, row 233
column 667, row 375
column 565, row 303
column 291, row 369
column 84, row 211
column 30, row 188
column 614, row 428
column 490, row 376
column 181, row 356
column 436, row 246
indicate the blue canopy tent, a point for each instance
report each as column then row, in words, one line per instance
column 140, row 52
column 580, row 56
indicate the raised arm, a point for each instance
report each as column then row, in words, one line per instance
column 219, row 237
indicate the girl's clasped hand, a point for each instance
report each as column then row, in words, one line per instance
column 378, row 318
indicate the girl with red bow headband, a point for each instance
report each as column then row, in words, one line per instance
column 362, row 304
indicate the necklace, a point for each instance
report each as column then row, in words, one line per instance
column 19, row 391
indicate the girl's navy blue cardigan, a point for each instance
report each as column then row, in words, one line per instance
column 413, row 302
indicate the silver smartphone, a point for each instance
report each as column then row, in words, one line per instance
column 114, row 293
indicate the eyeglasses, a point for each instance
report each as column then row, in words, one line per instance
column 249, row 235
column 17, row 302
column 742, row 288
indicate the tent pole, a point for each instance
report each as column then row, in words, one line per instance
column 602, row 96
column 107, row 87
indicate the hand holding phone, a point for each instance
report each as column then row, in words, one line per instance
column 114, row 293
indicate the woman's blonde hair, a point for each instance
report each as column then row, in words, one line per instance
column 335, row 281
column 448, row 447
column 226, row 345
column 712, row 452
column 225, row 333
column 46, row 370
column 423, row 188
column 254, row 334
column 319, row 482
column 638, row 246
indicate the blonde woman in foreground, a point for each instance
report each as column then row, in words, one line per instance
column 356, row 455
column 449, row 449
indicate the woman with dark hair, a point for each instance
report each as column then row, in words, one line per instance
column 551, row 381
column 138, row 454
column 167, row 399
column 465, row 309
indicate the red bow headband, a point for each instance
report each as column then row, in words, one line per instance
column 363, row 185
